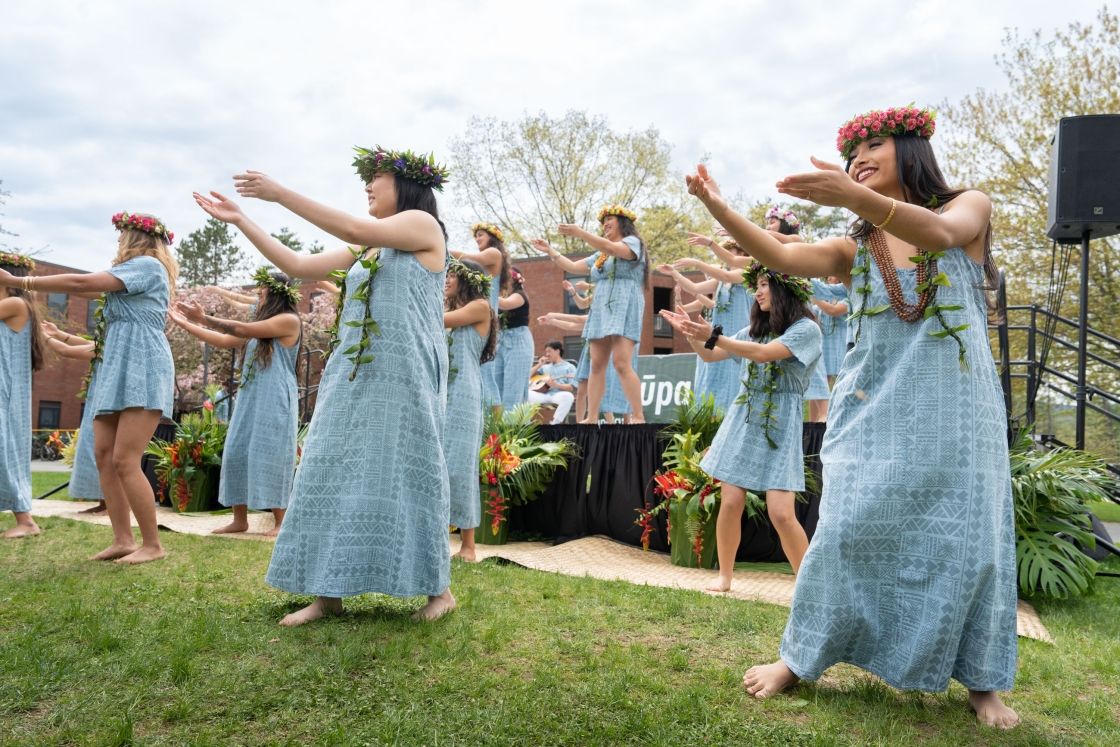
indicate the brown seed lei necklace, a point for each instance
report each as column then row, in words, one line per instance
column 907, row 312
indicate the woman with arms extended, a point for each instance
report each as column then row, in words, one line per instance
column 758, row 444
column 514, row 356
column 494, row 258
column 259, row 460
column 370, row 506
column 21, row 353
column 473, row 334
column 911, row 573
column 134, row 370
column 619, row 270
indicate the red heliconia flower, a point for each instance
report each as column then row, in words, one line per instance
column 208, row 405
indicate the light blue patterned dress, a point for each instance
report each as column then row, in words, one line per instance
column 259, row 461
column 15, row 418
column 513, row 360
column 740, row 454
column 85, row 480
column 136, row 368
column 619, row 301
column 370, row 507
column 491, row 392
column 818, row 383
column 614, row 401
column 911, row 572
column 834, row 328
column 462, row 438
column 721, row 379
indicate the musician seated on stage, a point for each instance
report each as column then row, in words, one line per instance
column 553, row 381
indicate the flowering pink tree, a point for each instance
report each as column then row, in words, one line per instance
column 188, row 351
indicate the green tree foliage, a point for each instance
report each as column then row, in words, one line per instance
column 289, row 239
column 999, row 142
column 536, row 172
column 209, row 257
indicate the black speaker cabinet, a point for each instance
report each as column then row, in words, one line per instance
column 1084, row 178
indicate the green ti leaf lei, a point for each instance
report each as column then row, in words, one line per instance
column 98, row 338
column 861, row 272
column 768, row 419
column 724, row 306
column 452, row 369
column 357, row 353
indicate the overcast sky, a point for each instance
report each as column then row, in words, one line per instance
column 118, row 105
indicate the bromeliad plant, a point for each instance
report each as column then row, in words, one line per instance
column 1049, row 490
column 183, row 464
column 515, row 463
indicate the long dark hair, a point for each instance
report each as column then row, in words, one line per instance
column 786, row 229
column 785, row 310
column 34, row 318
column 464, row 294
column 270, row 306
column 923, row 184
column 626, row 228
column 505, row 280
column 414, row 196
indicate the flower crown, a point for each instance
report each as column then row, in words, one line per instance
column 800, row 287
column 124, row 221
column 421, row 168
column 489, row 228
column 894, row 121
column 618, row 210
column 263, row 278
column 729, row 244
column 477, row 279
column 786, row 215
column 516, row 275
column 16, row 260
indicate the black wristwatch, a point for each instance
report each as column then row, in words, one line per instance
column 717, row 332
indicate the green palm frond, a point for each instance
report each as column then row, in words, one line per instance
column 520, row 435
column 698, row 416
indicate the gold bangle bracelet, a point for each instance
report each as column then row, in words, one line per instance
column 889, row 215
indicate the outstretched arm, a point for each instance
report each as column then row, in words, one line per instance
column 510, row 302
column 473, row 313
column 726, row 256
column 695, row 288
column 581, row 302
column 75, row 352
column 217, row 339
column 232, row 297
column 574, row 266
column 716, row 273
column 281, row 325
column 93, row 283
column 832, row 309
column 614, row 248
column 698, row 332
column 490, row 259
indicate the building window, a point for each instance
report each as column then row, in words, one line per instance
column 91, row 309
column 662, row 299
column 569, row 302
column 315, row 295
column 57, row 304
column 662, row 351
column 50, row 414
column 573, row 347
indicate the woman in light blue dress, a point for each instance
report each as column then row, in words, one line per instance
column 619, row 269
column 494, row 258
column 911, row 573
column 758, row 444
column 135, row 374
column 21, row 352
column 832, row 299
column 473, row 327
column 370, row 506
column 259, row 459
column 85, row 482
column 513, row 358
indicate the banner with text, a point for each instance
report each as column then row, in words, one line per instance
column 664, row 380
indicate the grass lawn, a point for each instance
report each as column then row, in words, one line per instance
column 188, row 652
column 41, row 482
column 1106, row 511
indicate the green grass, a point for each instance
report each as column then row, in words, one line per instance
column 1106, row 511
column 187, row 652
column 41, row 482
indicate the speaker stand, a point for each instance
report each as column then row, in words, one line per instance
column 1080, row 395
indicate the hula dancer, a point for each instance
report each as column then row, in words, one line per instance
column 832, row 299
column 494, row 258
column 514, row 356
column 620, row 271
column 473, row 329
column 915, row 459
column 259, row 460
column 135, row 373
column 21, row 352
column 758, row 445
column 370, row 506
column 85, row 482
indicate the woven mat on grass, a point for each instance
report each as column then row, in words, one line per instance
column 597, row 557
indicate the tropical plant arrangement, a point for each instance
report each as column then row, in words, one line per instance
column 187, row 465
column 1050, row 490
column 515, row 466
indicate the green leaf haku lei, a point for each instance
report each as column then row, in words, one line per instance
column 771, row 371
column 452, row 369
column 357, row 353
column 98, row 338
column 940, row 279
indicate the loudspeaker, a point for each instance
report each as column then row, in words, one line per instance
column 1084, row 178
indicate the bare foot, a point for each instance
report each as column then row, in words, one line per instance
column 144, row 555
column 270, row 533
column 113, row 552
column 589, row 421
column 436, row 607
column 720, row 585
column 768, row 679
column 22, row 530
column 637, row 421
column 990, row 710
column 233, row 527
column 466, row 554
column 320, row 608
column 98, row 510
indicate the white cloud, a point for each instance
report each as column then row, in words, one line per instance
column 131, row 105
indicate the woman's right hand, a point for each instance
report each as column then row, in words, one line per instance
column 698, row 239
column 49, row 329
column 176, row 317
column 666, row 269
column 258, row 185
column 220, row 207
column 568, row 286
column 702, row 185
column 542, row 246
